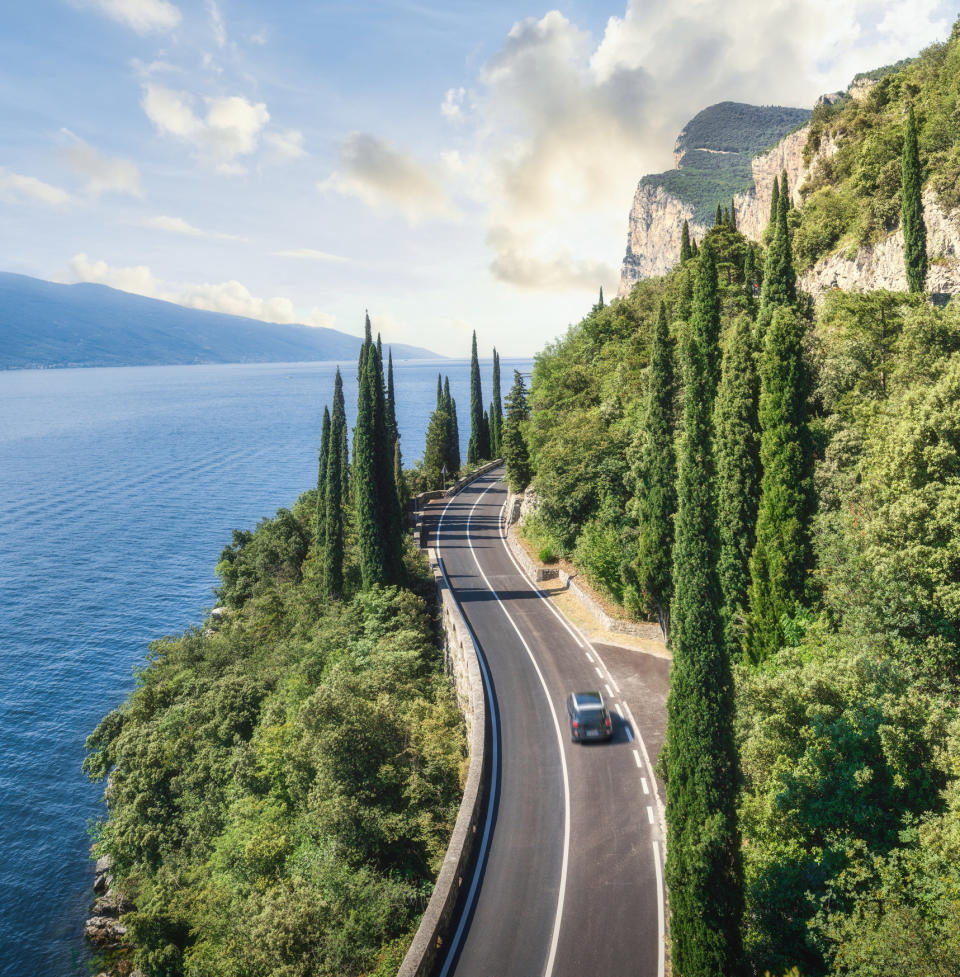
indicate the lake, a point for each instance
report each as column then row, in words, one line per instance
column 118, row 490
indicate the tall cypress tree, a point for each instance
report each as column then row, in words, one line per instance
column 516, row 457
column 738, row 473
column 779, row 279
column 705, row 317
column 366, row 494
column 781, row 554
column 399, row 478
column 485, row 437
column 454, row 462
column 435, row 453
column 340, row 410
column 367, row 340
column 333, row 508
column 784, row 191
column 911, row 210
column 703, row 868
column 439, row 390
column 322, row 476
column 719, row 218
column 685, row 252
column 733, row 214
column 694, row 249
column 391, row 399
column 656, row 498
column 475, row 446
column 391, row 524
column 496, row 408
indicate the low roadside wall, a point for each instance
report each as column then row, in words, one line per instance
column 538, row 573
column 463, row 665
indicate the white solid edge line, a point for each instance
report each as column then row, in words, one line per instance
column 660, row 914
column 555, row 939
column 494, row 770
column 633, row 723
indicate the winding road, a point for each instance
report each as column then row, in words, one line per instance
column 570, row 876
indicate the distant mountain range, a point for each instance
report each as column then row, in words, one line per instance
column 43, row 324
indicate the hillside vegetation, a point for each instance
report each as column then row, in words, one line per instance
column 718, row 145
column 844, row 637
column 852, row 197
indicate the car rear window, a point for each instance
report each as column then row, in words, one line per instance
column 588, row 700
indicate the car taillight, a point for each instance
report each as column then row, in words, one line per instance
column 607, row 721
column 576, row 725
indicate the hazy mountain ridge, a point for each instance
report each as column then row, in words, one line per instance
column 44, row 324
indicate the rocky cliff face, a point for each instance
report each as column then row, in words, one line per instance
column 881, row 265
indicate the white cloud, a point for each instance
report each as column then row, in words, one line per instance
column 177, row 225
column 103, row 174
column 16, row 188
column 385, row 178
column 286, row 143
column 563, row 124
column 310, row 254
column 231, row 127
column 452, row 106
column 516, row 262
column 230, row 297
column 216, row 23
column 144, row 16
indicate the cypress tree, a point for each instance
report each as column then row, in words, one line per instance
column 322, row 475
column 911, row 209
column 683, row 308
column 738, row 473
column 733, row 214
column 435, row 453
column 391, row 399
column 685, row 250
column 485, row 439
column 703, row 868
column 367, row 340
column 784, row 192
column 340, row 410
column 439, row 391
column 601, row 302
column 391, row 523
column 515, row 454
column 779, row 279
column 453, row 463
column 694, row 249
column 726, row 217
column 656, row 499
column 719, row 218
column 333, row 507
column 705, row 317
column 496, row 408
column 399, row 478
column 781, row 554
column 366, row 494
column 749, row 275
column 475, row 446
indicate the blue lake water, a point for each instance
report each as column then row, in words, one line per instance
column 118, row 490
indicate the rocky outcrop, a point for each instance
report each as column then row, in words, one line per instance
column 881, row 265
column 653, row 239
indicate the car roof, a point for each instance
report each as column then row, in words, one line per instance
column 587, row 699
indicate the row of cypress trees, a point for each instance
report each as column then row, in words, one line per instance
column 372, row 487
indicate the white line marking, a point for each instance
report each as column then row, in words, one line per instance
column 609, row 693
column 589, row 656
column 629, row 733
column 618, row 711
column 613, row 682
column 636, row 756
column 650, row 814
column 646, row 786
column 494, row 767
column 660, row 921
column 597, row 670
column 548, row 970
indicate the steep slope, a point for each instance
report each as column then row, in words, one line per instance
column 43, row 324
column 713, row 162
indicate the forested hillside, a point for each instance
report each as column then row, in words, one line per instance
column 780, row 485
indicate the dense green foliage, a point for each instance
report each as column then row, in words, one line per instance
column 515, row 454
column 911, row 209
column 718, row 145
column 703, row 848
column 282, row 786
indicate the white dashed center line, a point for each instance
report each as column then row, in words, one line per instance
column 636, row 756
column 646, row 786
column 650, row 814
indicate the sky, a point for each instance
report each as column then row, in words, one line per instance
column 449, row 166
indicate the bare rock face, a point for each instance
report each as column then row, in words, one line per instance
column 105, row 931
column 653, row 240
column 881, row 265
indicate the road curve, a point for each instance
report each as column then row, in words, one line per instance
column 571, row 880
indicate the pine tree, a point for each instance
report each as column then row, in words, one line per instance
column 322, row 476
column 475, row 446
column 340, row 410
column 911, row 209
column 705, row 317
column 685, row 250
column 333, row 508
column 703, row 868
column 515, row 454
column 738, row 473
column 496, row 408
column 719, row 218
column 656, row 499
column 781, row 554
column 733, row 214
column 779, row 279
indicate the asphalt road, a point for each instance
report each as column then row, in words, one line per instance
column 571, row 882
